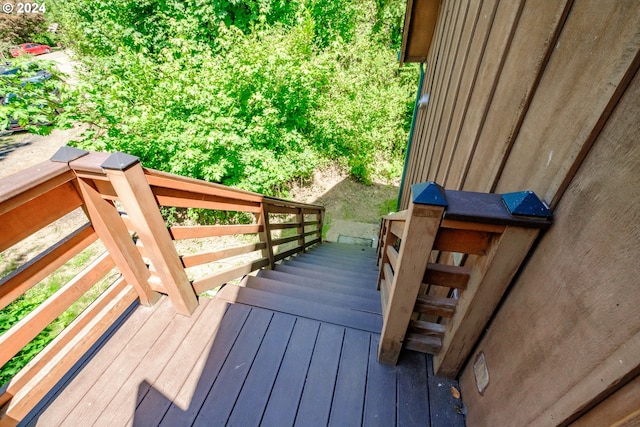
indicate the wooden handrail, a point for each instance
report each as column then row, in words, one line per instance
column 440, row 228
column 32, row 199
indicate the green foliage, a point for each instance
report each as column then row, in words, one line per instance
column 34, row 297
column 248, row 93
column 29, row 99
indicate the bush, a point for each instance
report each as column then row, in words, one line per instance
column 252, row 94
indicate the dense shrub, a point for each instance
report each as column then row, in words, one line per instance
column 248, row 93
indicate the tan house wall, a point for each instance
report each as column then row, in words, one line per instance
column 544, row 95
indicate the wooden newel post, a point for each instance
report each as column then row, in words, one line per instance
column 423, row 219
column 128, row 180
column 494, row 231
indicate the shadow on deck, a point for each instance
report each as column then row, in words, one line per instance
column 237, row 364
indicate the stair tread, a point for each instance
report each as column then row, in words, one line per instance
column 313, row 258
column 298, row 307
column 326, row 284
column 321, row 295
column 357, row 273
column 367, row 252
column 347, row 281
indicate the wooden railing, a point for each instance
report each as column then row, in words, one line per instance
column 445, row 262
column 122, row 202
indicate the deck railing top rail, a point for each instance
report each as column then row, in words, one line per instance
column 122, row 202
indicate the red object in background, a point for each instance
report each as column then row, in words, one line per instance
column 32, row 48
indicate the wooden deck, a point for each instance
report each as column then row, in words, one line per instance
column 243, row 365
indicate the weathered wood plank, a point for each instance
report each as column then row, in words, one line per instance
column 437, row 306
column 450, row 276
column 13, row 340
column 439, row 100
column 59, row 363
column 317, row 395
column 215, row 280
column 30, row 183
column 466, row 225
column 534, row 41
column 392, row 255
column 199, row 231
column 422, row 343
column 571, row 80
column 397, row 228
column 499, row 40
column 184, row 199
column 115, row 236
column 414, row 255
column 427, row 328
column 462, row 241
column 620, row 409
column 287, row 390
column 30, row 216
column 253, row 398
column 206, row 257
column 348, row 397
column 18, row 282
column 490, row 277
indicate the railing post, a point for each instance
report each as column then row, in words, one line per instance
column 489, row 278
column 265, row 234
column 300, row 229
column 128, row 180
column 320, row 217
column 423, row 219
column 114, row 235
column 383, row 258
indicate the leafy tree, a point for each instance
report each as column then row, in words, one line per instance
column 32, row 95
column 250, row 93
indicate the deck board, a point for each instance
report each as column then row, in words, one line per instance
column 59, row 408
column 256, row 359
column 155, row 399
column 257, row 387
column 129, row 395
column 188, row 402
column 226, row 387
column 317, row 395
column 287, row 390
column 348, row 400
column 380, row 408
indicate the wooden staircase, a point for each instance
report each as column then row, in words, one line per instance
column 332, row 282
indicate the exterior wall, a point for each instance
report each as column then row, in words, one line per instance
column 544, row 95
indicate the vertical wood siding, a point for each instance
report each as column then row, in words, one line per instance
column 543, row 95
